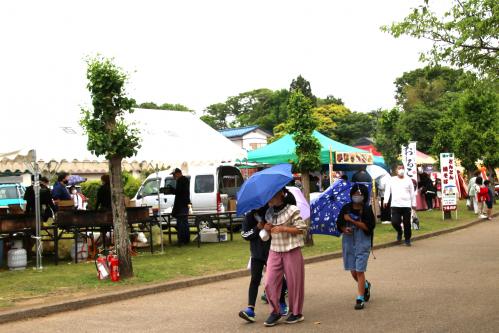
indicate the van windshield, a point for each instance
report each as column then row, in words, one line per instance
column 8, row 193
column 229, row 180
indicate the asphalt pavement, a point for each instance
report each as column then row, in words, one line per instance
column 448, row 283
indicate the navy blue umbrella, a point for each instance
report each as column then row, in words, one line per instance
column 75, row 179
column 262, row 186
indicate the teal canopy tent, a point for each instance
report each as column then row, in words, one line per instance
column 283, row 151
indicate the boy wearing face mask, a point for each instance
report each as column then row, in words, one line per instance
column 403, row 195
column 356, row 222
column 59, row 191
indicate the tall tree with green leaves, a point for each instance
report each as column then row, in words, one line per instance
column 301, row 126
column 388, row 138
column 466, row 35
column 164, row 106
column 109, row 135
column 301, row 84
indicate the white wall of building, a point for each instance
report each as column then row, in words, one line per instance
column 254, row 140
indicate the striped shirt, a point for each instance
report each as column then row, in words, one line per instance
column 289, row 216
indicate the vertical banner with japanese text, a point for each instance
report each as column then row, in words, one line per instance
column 448, row 173
column 409, row 160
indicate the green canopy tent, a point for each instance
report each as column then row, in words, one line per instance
column 283, row 151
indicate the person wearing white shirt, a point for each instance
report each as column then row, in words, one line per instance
column 401, row 189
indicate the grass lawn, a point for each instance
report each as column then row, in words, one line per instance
column 67, row 279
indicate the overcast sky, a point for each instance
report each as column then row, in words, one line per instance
column 200, row 52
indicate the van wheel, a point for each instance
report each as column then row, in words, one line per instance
column 204, row 222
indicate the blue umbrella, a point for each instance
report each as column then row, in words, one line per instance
column 262, row 186
column 326, row 208
column 75, row 179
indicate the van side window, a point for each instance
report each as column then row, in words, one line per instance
column 150, row 188
column 229, row 180
column 204, row 184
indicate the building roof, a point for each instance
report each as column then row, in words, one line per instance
column 240, row 131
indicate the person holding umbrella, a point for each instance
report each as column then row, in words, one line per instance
column 284, row 222
column 287, row 228
column 356, row 222
column 259, row 247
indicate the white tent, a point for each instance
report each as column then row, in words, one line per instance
column 168, row 138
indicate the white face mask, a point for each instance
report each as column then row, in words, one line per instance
column 357, row 198
column 400, row 172
column 73, row 191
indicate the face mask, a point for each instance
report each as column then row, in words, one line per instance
column 400, row 172
column 357, row 198
column 73, row 191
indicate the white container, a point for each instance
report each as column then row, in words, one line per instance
column 82, row 250
column 264, row 235
column 17, row 258
column 211, row 236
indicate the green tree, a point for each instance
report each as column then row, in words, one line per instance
column 388, row 137
column 304, row 86
column 330, row 99
column 466, row 35
column 328, row 116
column 109, row 135
column 302, row 125
column 353, row 126
column 470, row 128
column 164, row 106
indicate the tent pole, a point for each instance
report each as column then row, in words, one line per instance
column 330, row 166
column 38, row 238
column 159, row 208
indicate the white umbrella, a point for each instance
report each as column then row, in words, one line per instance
column 301, row 202
column 376, row 171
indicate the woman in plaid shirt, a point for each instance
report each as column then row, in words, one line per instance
column 287, row 228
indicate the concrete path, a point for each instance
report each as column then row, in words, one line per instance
column 448, row 283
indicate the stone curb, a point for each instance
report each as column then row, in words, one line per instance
column 45, row 310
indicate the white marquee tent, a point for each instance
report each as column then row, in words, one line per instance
column 168, row 139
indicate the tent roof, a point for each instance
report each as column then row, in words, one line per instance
column 422, row 158
column 283, row 150
column 168, row 138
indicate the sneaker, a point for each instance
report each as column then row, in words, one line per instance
column 359, row 304
column 399, row 237
column 264, row 298
column 248, row 314
column 407, row 243
column 482, row 216
column 367, row 291
column 293, row 319
column 283, row 309
column 272, row 319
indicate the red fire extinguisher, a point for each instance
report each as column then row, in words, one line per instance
column 102, row 267
column 115, row 269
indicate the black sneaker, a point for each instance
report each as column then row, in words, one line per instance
column 359, row 304
column 367, row 292
column 272, row 319
column 407, row 242
column 293, row 319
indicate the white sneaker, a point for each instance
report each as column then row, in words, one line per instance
column 482, row 216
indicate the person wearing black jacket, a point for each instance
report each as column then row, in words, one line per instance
column 181, row 206
column 427, row 189
column 252, row 225
column 47, row 206
column 104, row 194
column 356, row 222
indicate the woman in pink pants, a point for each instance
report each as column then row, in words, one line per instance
column 287, row 228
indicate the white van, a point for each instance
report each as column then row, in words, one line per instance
column 211, row 189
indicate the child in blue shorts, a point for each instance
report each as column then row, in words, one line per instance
column 356, row 222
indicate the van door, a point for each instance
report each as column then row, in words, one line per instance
column 203, row 196
column 148, row 193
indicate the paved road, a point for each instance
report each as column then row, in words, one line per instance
column 445, row 284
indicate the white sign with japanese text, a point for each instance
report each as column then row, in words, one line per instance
column 448, row 173
column 409, row 160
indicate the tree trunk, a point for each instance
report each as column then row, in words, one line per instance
column 305, row 180
column 121, row 232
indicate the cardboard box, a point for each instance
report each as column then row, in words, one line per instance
column 211, row 236
column 232, row 205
